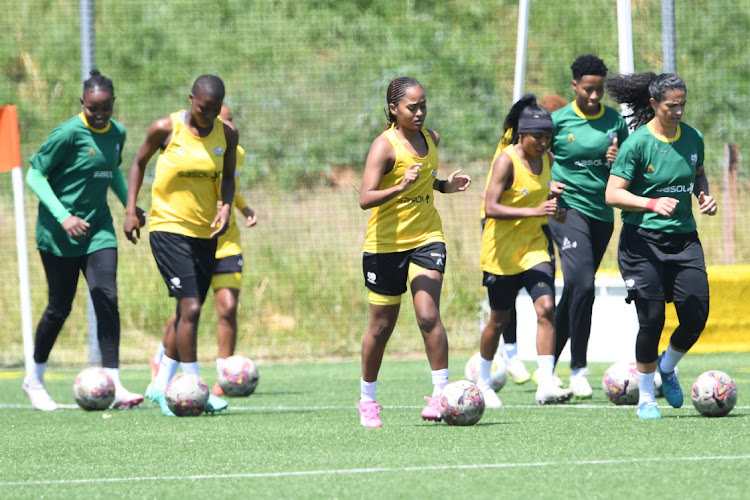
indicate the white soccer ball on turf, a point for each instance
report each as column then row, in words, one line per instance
column 498, row 372
column 461, row 403
column 620, row 383
column 239, row 376
column 93, row 389
column 714, row 393
column 187, row 395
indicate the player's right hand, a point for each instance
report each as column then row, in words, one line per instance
column 132, row 227
column 75, row 227
column 411, row 175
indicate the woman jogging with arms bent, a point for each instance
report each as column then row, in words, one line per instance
column 660, row 256
column 404, row 241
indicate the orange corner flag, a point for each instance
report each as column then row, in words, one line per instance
column 10, row 140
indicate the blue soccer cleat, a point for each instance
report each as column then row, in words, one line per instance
column 648, row 410
column 670, row 385
column 160, row 399
column 215, row 404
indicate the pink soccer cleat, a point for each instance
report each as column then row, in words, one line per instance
column 432, row 411
column 368, row 414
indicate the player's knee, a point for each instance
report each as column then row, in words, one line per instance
column 428, row 322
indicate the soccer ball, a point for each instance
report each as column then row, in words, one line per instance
column 498, row 372
column 620, row 383
column 714, row 394
column 461, row 403
column 239, row 376
column 93, row 389
column 187, row 395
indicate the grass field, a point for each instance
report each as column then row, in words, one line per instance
column 298, row 437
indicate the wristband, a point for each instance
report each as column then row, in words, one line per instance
column 441, row 186
column 651, row 205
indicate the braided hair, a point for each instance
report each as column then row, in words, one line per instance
column 588, row 65
column 635, row 90
column 97, row 80
column 396, row 90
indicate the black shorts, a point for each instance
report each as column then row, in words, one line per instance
column 228, row 265
column 185, row 263
column 387, row 273
column 502, row 290
column 662, row 266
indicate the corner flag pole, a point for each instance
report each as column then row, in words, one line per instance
column 10, row 161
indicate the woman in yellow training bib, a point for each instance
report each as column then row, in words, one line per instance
column 404, row 241
column 520, row 197
column 196, row 148
column 226, row 281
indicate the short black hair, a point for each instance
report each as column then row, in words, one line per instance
column 588, row 65
column 210, row 85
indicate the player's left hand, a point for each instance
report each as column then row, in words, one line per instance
column 221, row 221
column 252, row 217
column 456, row 182
column 708, row 204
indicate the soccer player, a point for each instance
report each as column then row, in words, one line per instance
column 660, row 255
column 585, row 144
column 71, row 174
column 404, row 241
column 514, row 254
column 516, row 369
column 227, row 279
column 187, row 215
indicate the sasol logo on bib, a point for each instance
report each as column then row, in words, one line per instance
column 679, row 188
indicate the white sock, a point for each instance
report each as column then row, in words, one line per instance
column 670, row 359
column 36, row 376
column 485, row 372
column 220, row 366
column 160, row 353
column 578, row 372
column 646, row 388
column 511, row 350
column 546, row 365
column 191, row 368
column 114, row 374
column 367, row 390
column 167, row 369
column 439, row 380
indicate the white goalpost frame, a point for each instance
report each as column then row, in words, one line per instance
column 522, row 38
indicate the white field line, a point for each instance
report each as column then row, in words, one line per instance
column 426, row 468
column 270, row 409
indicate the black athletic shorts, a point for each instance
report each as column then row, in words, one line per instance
column 502, row 290
column 185, row 263
column 228, row 265
column 662, row 266
column 387, row 273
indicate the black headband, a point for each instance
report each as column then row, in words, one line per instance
column 534, row 123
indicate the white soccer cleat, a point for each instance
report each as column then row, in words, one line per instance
column 39, row 397
column 490, row 396
column 550, row 394
column 517, row 371
column 125, row 399
column 580, row 386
